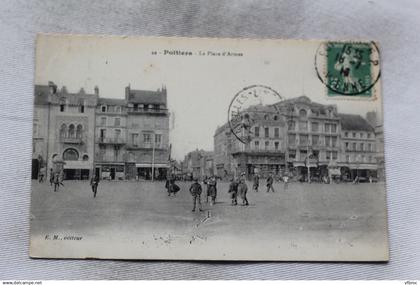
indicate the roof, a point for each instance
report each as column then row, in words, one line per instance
column 354, row 123
column 41, row 94
column 111, row 101
column 147, row 96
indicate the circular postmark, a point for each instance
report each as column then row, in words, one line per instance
column 348, row 68
column 248, row 106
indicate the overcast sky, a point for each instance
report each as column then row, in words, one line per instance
column 200, row 88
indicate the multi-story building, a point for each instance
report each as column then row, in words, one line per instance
column 292, row 136
column 110, row 138
column 358, row 156
column 147, row 133
column 64, row 125
column 199, row 164
column 117, row 138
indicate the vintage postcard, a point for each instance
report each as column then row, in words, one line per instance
column 207, row 149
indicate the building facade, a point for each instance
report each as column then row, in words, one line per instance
column 199, row 164
column 359, row 147
column 79, row 133
column 147, row 147
column 110, row 138
column 294, row 136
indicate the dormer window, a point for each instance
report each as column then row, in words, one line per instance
column 62, row 104
column 103, row 108
column 81, row 106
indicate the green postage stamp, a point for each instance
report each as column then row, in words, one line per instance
column 348, row 69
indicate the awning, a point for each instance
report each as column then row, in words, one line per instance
column 149, row 165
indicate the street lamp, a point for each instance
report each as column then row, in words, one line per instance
column 153, row 155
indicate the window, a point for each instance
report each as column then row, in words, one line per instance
column 103, row 121
column 315, row 139
column 347, row 145
column 275, row 118
column 334, row 141
column 71, row 131
column 276, row 145
column 266, row 117
column 276, row 132
column 117, row 122
column 302, row 113
column 103, row 108
column 303, row 125
column 85, row 157
column 369, row 147
column 347, row 158
column 354, row 146
column 333, row 128
column 63, row 131
column 266, row 144
column 292, row 154
column 362, row 146
column 291, row 125
column 327, row 128
column 303, row 139
column 327, row 140
column 79, row 131
column 354, row 134
column 116, row 151
column 158, row 139
column 334, row 155
column 368, row 135
column 70, row 154
column 315, row 126
column 303, row 154
column 81, row 104
column 362, row 135
column 257, row 131
column 62, row 104
column 134, row 139
column 328, row 155
column 257, row 144
column 292, row 139
column 117, row 134
column 266, row 132
column 146, row 138
column 346, row 134
column 118, row 109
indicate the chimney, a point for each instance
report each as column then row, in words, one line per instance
column 127, row 92
column 96, row 90
column 52, row 87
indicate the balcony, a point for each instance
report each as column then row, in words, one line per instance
column 71, row 140
column 115, row 141
column 149, row 111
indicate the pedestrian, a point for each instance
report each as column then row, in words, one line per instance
column 243, row 189
column 56, row 181
column 51, row 177
column 256, row 182
column 41, row 175
column 94, row 182
column 168, row 185
column 195, row 191
column 233, row 191
column 356, row 180
column 286, row 181
column 212, row 190
column 270, row 181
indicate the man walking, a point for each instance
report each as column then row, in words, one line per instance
column 243, row 189
column 51, row 177
column 256, row 182
column 56, row 181
column 286, row 181
column 94, row 182
column 195, row 191
column 233, row 191
column 270, row 181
